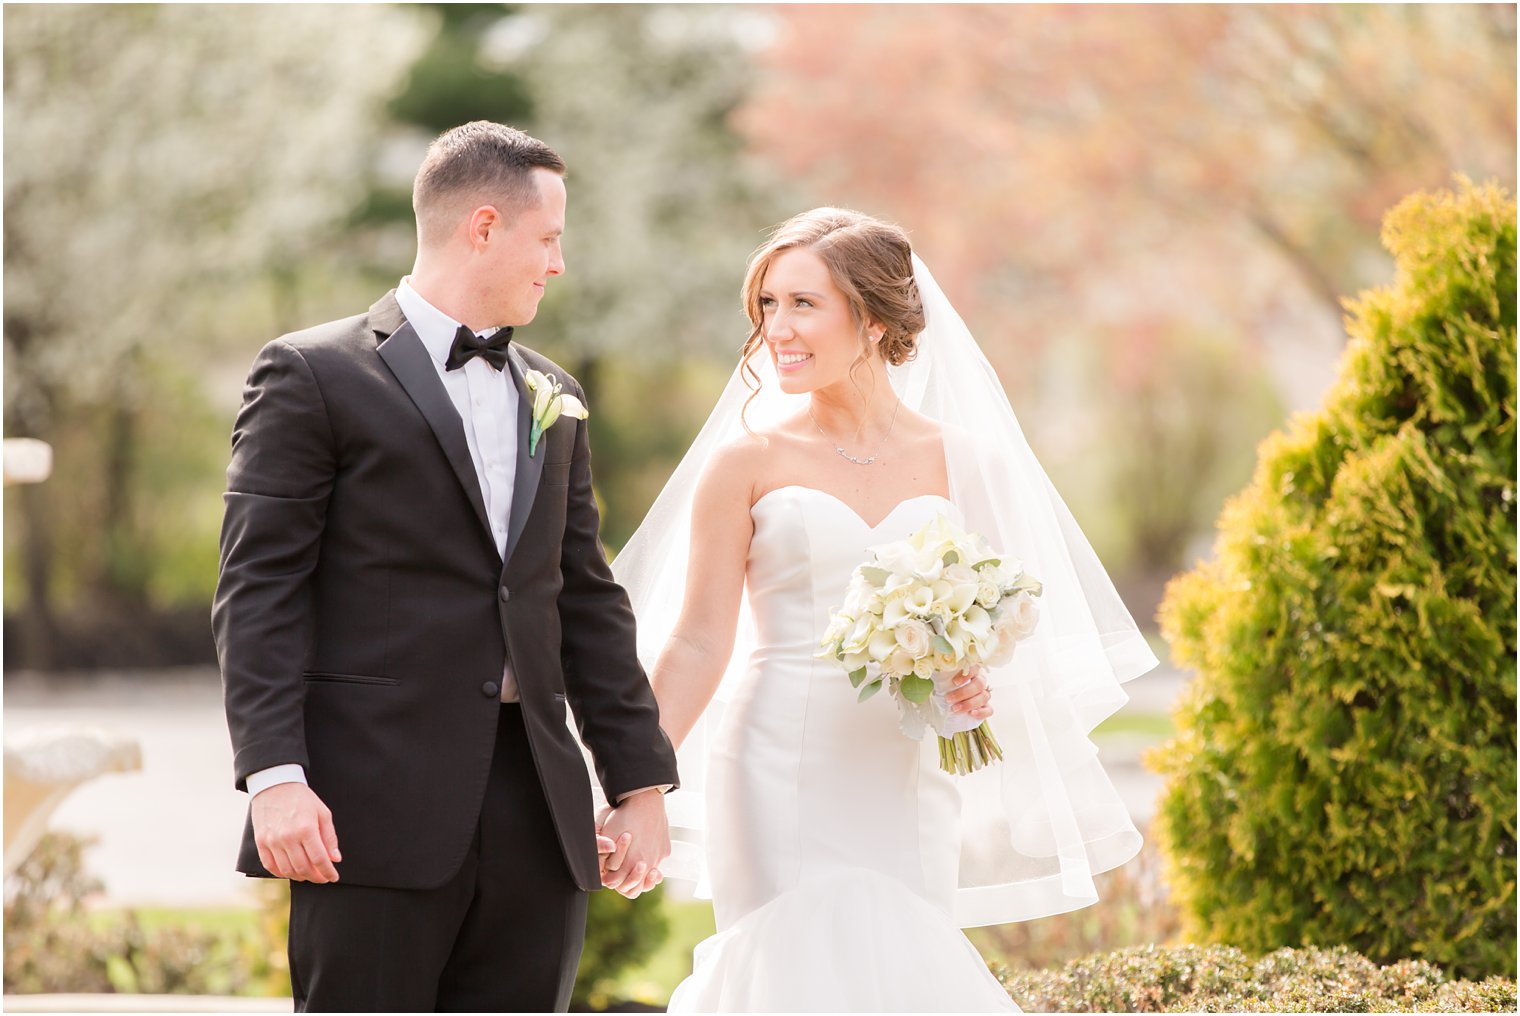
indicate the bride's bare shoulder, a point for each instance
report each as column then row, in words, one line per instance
column 742, row 462
column 737, row 462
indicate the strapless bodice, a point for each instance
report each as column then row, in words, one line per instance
column 807, row 543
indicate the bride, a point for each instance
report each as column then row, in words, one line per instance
column 841, row 861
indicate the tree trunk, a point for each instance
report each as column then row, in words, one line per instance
column 120, row 583
column 36, row 626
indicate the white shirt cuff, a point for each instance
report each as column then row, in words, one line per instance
column 662, row 788
column 273, row 776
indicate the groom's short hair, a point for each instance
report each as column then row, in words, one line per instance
column 477, row 163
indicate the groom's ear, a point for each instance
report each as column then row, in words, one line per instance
column 482, row 222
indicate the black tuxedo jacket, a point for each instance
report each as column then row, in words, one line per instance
column 363, row 613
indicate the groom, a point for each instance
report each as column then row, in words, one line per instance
column 410, row 598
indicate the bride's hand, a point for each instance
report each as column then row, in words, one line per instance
column 971, row 695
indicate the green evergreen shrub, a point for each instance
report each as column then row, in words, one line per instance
column 1344, row 769
column 1215, row 978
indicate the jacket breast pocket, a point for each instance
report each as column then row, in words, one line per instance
column 557, row 474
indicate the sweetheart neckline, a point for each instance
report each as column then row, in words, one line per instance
column 841, row 502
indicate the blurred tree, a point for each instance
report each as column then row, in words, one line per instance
column 1170, row 439
column 1049, row 156
column 1076, row 174
column 159, row 159
column 663, row 208
column 663, row 214
column 453, row 81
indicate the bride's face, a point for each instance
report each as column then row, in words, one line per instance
column 806, row 324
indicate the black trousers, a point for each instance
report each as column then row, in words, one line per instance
column 503, row 935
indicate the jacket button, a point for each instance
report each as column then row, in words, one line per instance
column 490, row 689
column 505, row 594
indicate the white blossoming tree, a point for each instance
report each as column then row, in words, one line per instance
column 159, row 162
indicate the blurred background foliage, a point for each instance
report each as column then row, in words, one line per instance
column 1152, row 258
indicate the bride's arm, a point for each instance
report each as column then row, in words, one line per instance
column 695, row 656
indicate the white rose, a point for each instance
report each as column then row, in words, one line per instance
column 1021, row 615
column 998, row 649
column 937, row 662
column 912, row 638
column 959, row 574
column 987, row 593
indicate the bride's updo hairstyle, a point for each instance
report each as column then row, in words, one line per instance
column 869, row 260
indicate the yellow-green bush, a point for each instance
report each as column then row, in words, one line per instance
column 1344, row 771
column 1216, row 978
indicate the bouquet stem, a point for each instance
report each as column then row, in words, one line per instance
column 969, row 751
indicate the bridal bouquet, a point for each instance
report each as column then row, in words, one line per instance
column 921, row 611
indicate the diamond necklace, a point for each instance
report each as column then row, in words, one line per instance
column 847, row 455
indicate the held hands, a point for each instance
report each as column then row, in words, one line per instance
column 971, row 695
column 294, row 833
column 633, row 840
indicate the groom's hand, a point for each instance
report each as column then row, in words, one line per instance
column 642, row 836
column 294, row 833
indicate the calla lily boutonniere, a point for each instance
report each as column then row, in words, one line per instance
column 549, row 405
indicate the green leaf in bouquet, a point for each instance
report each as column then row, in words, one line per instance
column 916, row 689
column 942, row 645
column 875, row 575
column 857, row 676
column 869, row 690
column 991, row 562
column 951, row 557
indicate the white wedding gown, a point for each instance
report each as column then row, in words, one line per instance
column 832, row 839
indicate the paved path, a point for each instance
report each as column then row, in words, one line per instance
column 169, row 833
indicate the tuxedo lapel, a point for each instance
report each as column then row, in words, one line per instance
column 406, row 356
column 530, row 468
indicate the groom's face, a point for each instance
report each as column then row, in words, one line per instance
column 523, row 254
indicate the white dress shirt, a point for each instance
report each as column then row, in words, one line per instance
column 487, row 401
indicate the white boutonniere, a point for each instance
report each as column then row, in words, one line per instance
column 549, row 404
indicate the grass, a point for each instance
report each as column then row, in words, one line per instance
column 1156, row 725
column 690, row 922
column 219, row 919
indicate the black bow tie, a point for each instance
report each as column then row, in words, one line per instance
column 468, row 344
